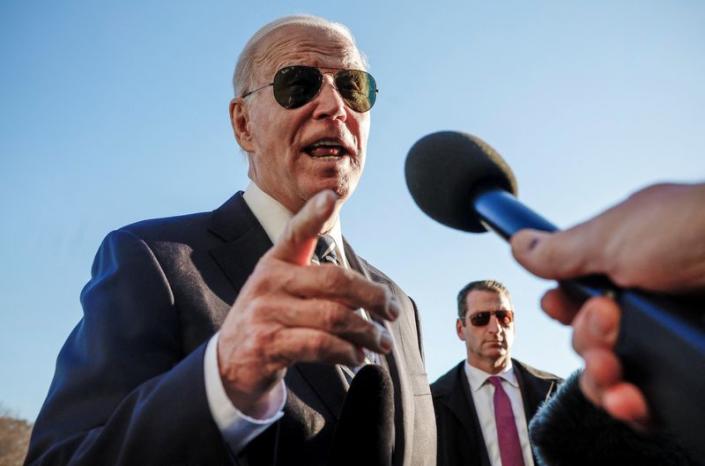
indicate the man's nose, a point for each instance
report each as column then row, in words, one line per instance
column 493, row 325
column 329, row 102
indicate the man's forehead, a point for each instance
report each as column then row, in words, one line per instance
column 307, row 44
column 491, row 300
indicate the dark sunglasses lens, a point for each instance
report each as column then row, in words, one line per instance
column 504, row 317
column 295, row 86
column 480, row 319
column 483, row 318
column 358, row 88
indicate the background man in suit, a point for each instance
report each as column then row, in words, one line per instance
column 483, row 404
column 210, row 338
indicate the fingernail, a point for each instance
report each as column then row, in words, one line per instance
column 393, row 309
column 597, row 324
column 527, row 240
column 532, row 244
column 385, row 341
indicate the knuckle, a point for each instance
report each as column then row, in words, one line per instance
column 262, row 340
column 260, row 308
column 318, row 345
column 261, row 279
column 270, row 351
column 334, row 277
column 334, row 321
column 286, row 281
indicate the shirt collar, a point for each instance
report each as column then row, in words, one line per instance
column 273, row 217
column 477, row 377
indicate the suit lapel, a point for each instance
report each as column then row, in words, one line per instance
column 326, row 381
column 403, row 395
column 462, row 405
column 459, row 400
column 534, row 390
column 245, row 241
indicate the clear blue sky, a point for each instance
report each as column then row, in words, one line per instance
column 114, row 112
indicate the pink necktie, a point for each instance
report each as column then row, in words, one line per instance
column 509, row 446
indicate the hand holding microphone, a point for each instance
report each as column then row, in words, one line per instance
column 659, row 341
column 654, row 240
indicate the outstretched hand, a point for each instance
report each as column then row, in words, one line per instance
column 290, row 312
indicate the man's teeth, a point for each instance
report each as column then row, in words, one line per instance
column 325, row 150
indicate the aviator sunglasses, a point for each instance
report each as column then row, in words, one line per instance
column 482, row 318
column 297, row 85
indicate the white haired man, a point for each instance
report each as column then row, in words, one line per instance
column 210, row 338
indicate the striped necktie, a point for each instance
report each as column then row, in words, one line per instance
column 325, row 251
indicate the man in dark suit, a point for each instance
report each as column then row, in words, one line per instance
column 211, row 338
column 483, row 404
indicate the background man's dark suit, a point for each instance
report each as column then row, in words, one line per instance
column 460, row 440
column 129, row 383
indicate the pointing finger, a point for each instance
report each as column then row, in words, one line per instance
column 298, row 240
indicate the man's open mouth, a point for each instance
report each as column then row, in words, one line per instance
column 326, row 148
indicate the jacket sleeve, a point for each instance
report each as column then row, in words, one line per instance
column 123, row 391
column 568, row 430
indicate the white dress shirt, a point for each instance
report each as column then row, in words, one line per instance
column 237, row 428
column 482, row 396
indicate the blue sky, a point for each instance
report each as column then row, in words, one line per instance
column 116, row 112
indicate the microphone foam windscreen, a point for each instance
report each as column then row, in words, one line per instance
column 364, row 434
column 445, row 170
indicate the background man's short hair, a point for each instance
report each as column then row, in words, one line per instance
column 480, row 285
column 244, row 69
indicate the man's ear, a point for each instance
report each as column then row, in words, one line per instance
column 240, row 121
column 459, row 329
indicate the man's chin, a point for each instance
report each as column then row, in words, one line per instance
column 497, row 353
column 342, row 188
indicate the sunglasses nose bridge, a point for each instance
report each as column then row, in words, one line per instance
column 494, row 323
column 328, row 85
column 328, row 78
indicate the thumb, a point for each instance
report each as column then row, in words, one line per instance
column 297, row 242
column 559, row 255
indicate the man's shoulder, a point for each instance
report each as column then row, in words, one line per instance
column 534, row 372
column 164, row 227
column 376, row 273
column 447, row 382
column 182, row 228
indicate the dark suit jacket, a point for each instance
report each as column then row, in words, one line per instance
column 460, row 440
column 129, row 384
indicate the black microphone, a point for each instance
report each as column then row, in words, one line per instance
column 460, row 181
column 364, row 434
